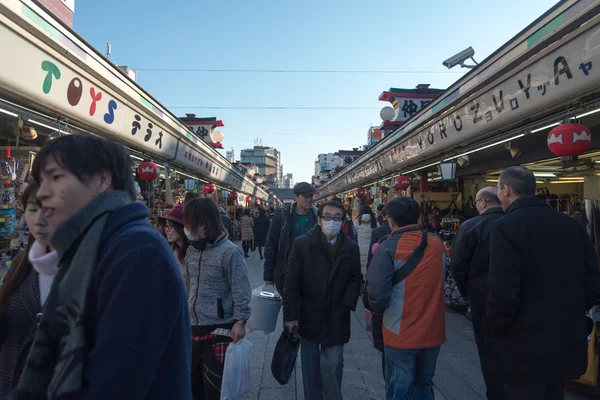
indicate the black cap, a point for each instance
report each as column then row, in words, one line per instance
column 304, row 188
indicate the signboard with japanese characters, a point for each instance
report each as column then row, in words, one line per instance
column 406, row 107
column 567, row 72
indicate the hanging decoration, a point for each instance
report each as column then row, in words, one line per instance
column 190, row 184
column 233, row 196
column 148, row 171
column 252, row 170
column 402, row 182
column 257, row 202
column 248, row 199
column 569, row 140
column 209, row 188
column 259, row 180
column 8, row 155
column 360, row 193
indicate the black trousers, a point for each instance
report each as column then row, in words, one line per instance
column 208, row 359
column 493, row 381
column 535, row 391
column 246, row 246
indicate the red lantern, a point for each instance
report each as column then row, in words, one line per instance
column 148, row 171
column 210, row 188
column 248, row 199
column 233, row 196
column 402, row 182
column 360, row 193
column 569, row 140
column 384, row 189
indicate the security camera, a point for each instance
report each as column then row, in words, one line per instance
column 462, row 161
column 460, row 58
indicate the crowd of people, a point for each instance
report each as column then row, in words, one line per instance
column 101, row 304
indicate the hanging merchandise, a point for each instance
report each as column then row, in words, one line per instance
column 209, row 188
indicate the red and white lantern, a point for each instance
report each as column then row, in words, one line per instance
column 569, row 140
column 402, row 182
column 147, row 171
column 360, row 193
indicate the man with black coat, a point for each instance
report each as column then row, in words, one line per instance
column 543, row 277
column 322, row 286
column 469, row 266
column 288, row 224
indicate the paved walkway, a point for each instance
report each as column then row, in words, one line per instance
column 457, row 377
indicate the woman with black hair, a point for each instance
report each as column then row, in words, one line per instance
column 247, row 227
column 24, row 292
column 175, row 234
column 364, row 224
column 216, row 279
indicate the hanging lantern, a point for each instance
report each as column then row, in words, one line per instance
column 252, row 170
column 233, row 196
column 147, row 170
column 259, row 180
column 569, row 140
column 190, row 184
column 360, row 193
column 248, row 199
column 209, row 188
column 384, row 189
column 402, row 182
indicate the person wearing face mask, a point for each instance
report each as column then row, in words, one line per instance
column 321, row 288
column 24, row 292
column 216, row 280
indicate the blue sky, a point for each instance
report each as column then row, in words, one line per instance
column 301, row 35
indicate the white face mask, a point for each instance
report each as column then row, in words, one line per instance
column 331, row 228
column 189, row 235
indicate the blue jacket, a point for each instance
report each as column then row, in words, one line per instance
column 138, row 325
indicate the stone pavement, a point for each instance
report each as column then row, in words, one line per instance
column 457, row 377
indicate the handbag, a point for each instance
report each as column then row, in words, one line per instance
column 284, row 357
column 451, row 293
column 435, row 217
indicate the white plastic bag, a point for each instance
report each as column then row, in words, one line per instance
column 236, row 371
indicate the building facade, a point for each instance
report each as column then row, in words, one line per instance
column 267, row 161
column 324, row 163
column 62, row 9
column 288, row 181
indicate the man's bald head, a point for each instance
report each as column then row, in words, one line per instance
column 487, row 198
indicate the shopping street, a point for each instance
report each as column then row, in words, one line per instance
column 457, row 377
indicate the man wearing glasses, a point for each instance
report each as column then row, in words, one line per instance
column 322, row 286
column 469, row 267
column 288, row 224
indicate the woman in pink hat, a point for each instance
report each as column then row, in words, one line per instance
column 175, row 234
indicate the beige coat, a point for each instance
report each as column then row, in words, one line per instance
column 247, row 223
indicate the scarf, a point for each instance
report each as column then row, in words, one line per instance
column 56, row 362
column 44, row 263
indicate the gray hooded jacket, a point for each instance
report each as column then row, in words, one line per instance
column 217, row 284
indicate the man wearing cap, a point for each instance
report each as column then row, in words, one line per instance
column 288, row 224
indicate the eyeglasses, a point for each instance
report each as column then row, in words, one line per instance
column 330, row 218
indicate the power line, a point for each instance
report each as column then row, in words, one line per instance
column 294, row 71
column 272, row 108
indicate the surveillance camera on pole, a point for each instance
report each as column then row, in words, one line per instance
column 460, row 58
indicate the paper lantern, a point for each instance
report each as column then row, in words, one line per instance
column 248, row 199
column 569, row 140
column 338, row 161
column 148, row 171
column 387, row 113
column 210, row 188
column 252, row 170
column 360, row 193
column 402, row 182
column 217, row 136
column 259, row 180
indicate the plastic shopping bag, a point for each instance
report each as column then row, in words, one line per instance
column 284, row 357
column 236, row 371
